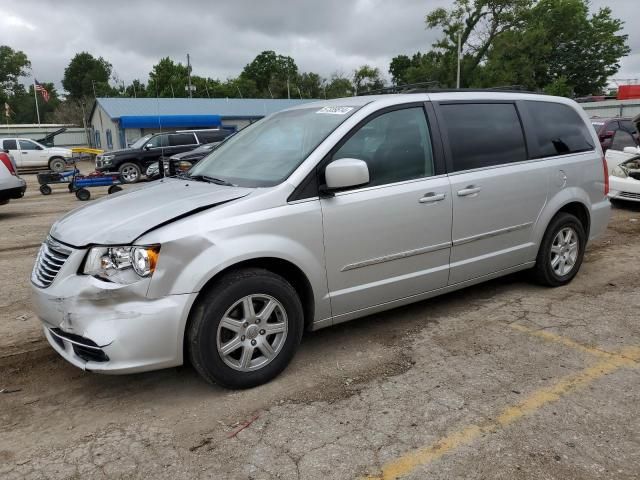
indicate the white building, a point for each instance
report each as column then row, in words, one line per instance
column 115, row 122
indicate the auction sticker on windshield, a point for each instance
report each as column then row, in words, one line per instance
column 335, row 110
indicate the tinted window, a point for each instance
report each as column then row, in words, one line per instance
column 27, row 145
column 10, row 145
column 182, row 139
column 210, row 137
column 159, row 141
column 622, row 139
column 483, row 134
column 628, row 125
column 395, row 145
column 558, row 129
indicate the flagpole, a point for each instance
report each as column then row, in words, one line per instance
column 35, row 95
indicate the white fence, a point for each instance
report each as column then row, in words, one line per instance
column 72, row 137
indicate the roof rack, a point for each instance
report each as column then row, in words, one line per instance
column 432, row 87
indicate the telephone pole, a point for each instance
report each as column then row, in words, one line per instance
column 189, row 74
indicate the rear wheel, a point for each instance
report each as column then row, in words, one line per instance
column 561, row 251
column 130, row 172
column 57, row 164
column 246, row 329
column 83, row 194
column 45, row 189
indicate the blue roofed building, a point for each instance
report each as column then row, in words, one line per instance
column 115, row 122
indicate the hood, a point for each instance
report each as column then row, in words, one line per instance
column 121, row 218
column 189, row 155
column 60, row 150
column 116, row 152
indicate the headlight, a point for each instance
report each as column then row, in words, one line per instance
column 183, row 166
column 619, row 172
column 122, row 264
column 107, row 159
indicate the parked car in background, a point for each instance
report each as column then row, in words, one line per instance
column 180, row 162
column 11, row 185
column 133, row 162
column 318, row 215
column 624, row 182
column 31, row 154
column 616, row 132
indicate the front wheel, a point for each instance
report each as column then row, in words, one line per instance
column 45, row 189
column 130, row 172
column 561, row 251
column 83, row 194
column 246, row 329
column 114, row 189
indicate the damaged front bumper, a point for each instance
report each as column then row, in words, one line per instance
column 107, row 327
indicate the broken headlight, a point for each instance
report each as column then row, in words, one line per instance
column 122, row 264
column 619, row 172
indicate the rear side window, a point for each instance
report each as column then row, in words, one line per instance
column 483, row 134
column 622, row 139
column 210, row 137
column 10, row 145
column 181, row 139
column 558, row 129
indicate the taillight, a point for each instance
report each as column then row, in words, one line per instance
column 606, row 176
column 7, row 163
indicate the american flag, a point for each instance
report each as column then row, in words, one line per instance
column 40, row 88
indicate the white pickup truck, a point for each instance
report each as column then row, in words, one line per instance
column 30, row 154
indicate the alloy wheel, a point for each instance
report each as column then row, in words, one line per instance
column 564, row 251
column 252, row 332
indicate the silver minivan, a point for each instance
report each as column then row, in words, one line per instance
column 316, row 215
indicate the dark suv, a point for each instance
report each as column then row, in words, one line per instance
column 133, row 161
column 616, row 133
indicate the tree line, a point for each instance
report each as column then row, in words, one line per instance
column 554, row 46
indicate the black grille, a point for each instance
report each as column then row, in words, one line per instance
column 635, row 196
column 86, row 349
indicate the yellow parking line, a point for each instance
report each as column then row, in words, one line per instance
column 536, row 400
column 567, row 342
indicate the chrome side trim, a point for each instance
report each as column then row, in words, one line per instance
column 395, row 256
column 493, row 233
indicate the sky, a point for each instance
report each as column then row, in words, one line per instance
column 222, row 37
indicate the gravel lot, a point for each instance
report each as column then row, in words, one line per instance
column 505, row 380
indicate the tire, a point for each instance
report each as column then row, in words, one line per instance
column 45, row 189
column 130, row 172
column 83, row 194
column 70, row 187
column 57, row 164
column 114, row 189
column 227, row 298
column 557, row 263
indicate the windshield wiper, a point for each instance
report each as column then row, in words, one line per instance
column 207, row 178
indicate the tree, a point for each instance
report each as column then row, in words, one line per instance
column 13, row 65
column 339, row 86
column 310, row 85
column 86, row 73
column 478, row 23
column 168, row 79
column 367, row 78
column 22, row 103
column 398, row 69
column 559, row 49
column 270, row 71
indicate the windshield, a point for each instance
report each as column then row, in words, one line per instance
column 141, row 141
column 267, row 152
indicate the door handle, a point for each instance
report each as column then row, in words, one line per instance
column 432, row 197
column 24, row 153
column 470, row 190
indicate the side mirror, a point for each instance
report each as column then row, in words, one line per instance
column 346, row 173
column 148, row 146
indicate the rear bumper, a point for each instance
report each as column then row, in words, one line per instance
column 14, row 192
